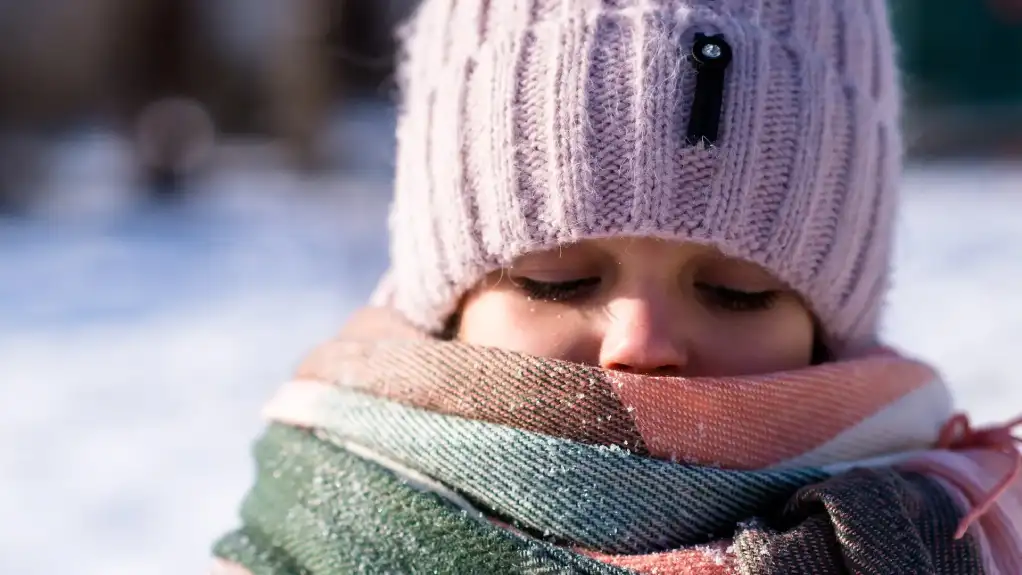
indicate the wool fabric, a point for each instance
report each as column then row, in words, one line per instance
column 528, row 124
column 393, row 452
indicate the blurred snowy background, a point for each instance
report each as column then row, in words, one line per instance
column 165, row 263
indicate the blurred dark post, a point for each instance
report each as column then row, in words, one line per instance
column 162, row 64
column 299, row 79
column 51, row 55
column 366, row 42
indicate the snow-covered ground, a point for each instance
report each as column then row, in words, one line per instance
column 136, row 346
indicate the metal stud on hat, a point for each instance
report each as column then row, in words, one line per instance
column 710, row 56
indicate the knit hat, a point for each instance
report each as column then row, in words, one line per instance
column 766, row 128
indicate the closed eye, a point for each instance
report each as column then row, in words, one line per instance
column 557, row 291
column 736, row 300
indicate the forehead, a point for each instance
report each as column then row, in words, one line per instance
column 635, row 253
column 626, row 249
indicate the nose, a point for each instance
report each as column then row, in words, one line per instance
column 642, row 336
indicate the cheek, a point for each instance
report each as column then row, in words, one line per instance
column 507, row 321
column 781, row 339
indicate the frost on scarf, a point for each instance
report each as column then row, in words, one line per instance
column 857, row 464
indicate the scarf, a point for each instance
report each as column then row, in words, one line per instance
column 392, row 452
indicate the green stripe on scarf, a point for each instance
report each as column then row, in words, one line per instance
column 316, row 510
column 587, row 495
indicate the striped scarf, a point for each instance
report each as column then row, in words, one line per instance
column 391, row 452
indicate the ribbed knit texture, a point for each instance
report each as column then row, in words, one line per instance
column 526, row 124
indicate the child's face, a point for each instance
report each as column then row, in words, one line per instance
column 642, row 305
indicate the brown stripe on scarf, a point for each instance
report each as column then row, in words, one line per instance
column 378, row 353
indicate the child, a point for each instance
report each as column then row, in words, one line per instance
column 639, row 252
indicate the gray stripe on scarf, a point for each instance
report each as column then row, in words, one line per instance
column 599, row 497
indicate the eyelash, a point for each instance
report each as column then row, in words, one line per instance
column 736, row 300
column 557, row 291
column 721, row 297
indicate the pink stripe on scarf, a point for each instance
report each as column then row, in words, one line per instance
column 713, row 559
column 757, row 422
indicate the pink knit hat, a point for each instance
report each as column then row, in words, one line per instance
column 766, row 128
